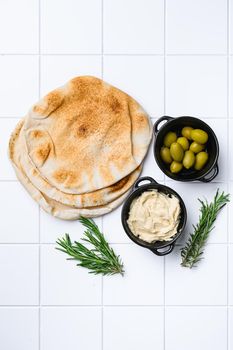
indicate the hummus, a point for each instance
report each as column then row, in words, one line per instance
column 154, row 216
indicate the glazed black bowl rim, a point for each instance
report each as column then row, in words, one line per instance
column 214, row 165
column 137, row 190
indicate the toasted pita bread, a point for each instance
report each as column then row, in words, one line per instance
column 86, row 135
column 91, row 199
column 53, row 207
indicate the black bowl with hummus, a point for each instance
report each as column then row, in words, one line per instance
column 154, row 216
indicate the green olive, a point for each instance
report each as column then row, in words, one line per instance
column 200, row 136
column 189, row 159
column 169, row 138
column 176, row 167
column 186, row 132
column 196, row 147
column 177, row 151
column 201, row 159
column 165, row 155
column 183, row 142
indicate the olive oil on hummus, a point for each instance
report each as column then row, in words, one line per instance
column 154, row 216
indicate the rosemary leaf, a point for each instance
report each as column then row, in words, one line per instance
column 100, row 258
column 192, row 252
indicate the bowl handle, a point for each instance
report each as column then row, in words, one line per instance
column 144, row 178
column 214, row 174
column 165, row 252
column 156, row 124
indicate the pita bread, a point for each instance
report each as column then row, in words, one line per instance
column 51, row 206
column 86, row 135
column 91, row 199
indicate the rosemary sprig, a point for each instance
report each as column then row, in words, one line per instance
column 192, row 252
column 100, row 259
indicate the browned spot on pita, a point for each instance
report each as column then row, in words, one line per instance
column 36, row 134
column 63, row 175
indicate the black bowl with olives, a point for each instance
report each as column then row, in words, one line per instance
column 186, row 149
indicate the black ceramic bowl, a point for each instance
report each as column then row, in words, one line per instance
column 210, row 170
column 137, row 191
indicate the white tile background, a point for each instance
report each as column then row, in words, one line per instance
column 175, row 57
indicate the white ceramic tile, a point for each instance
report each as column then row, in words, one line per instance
column 231, row 84
column 142, row 282
column 70, row 328
column 113, row 229
column 230, row 274
column 18, row 84
column 231, row 25
column 71, row 26
column 52, row 228
column 230, row 211
column 196, row 85
column 220, row 127
column 57, row 70
column 6, row 127
column 230, row 328
column 196, row 328
column 204, row 285
column 189, row 31
column 190, row 192
column 19, row 215
column 124, row 328
column 230, row 163
column 141, row 77
column 19, row 26
column 19, row 275
column 150, row 167
column 19, row 328
column 133, row 26
column 73, row 285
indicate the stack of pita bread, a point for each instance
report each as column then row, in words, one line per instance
column 80, row 149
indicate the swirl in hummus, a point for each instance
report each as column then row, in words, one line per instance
column 154, row 216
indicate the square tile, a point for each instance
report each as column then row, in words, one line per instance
column 230, row 164
column 230, row 274
column 133, row 26
column 186, row 35
column 18, row 84
column 7, row 125
column 230, row 328
column 205, row 284
column 220, row 127
column 113, row 229
column 24, row 226
column 69, row 328
column 57, row 70
column 19, row 26
column 196, row 86
column 124, row 328
column 73, row 285
column 230, row 211
column 150, row 167
column 196, row 328
column 190, row 192
column 142, row 283
column 19, row 275
column 75, row 26
column 231, row 25
column 52, row 228
column 141, row 77
column 19, row 328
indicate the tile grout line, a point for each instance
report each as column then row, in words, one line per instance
column 119, row 54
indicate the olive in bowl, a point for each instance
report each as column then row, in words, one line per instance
column 192, row 152
column 157, row 246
